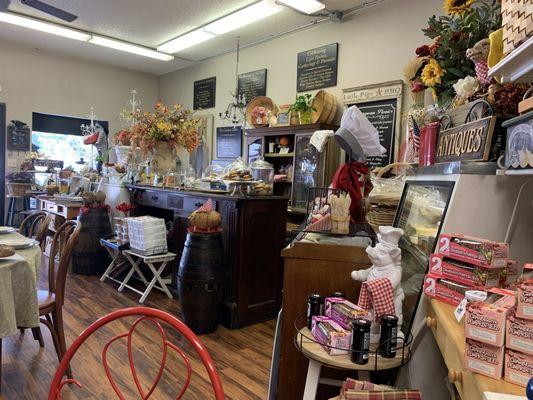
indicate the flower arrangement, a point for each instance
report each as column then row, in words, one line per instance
column 125, row 208
column 123, row 137
column 172, row 125
column 19, row 177
column 441, row 64
column 259, row 113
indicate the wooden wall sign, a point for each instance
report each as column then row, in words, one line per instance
column 317, row 68
column 229, row 142
column 204, row 93
column 381, row 103
column 18, row 136
column 467, row 142
column 252, row 84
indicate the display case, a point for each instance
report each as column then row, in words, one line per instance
column 297, row 164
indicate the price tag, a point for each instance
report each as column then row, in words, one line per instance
column 459, row 312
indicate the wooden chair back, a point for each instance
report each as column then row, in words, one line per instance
column 35, row 226
column 63, row 242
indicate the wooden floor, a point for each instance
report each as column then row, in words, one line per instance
column 242, row 356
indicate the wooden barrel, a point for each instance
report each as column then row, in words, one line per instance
column 201, row 278
column 88, row 257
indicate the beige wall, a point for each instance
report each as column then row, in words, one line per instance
column 374, row 45
column 34, row 80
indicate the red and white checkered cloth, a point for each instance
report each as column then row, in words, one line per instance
column 323, row 224
column 207, row 207
column 482, row 73
column 377, row 293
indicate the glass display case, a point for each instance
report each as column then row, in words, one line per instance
column 306, row 171
column 420, row 214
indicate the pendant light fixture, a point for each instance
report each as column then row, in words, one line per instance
column 235, row 111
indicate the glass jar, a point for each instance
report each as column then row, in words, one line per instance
column 263, row 177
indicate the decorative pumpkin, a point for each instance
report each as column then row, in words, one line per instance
column 284, row 141
column 205, row 220
column 88, row 198
column 100, row 197
column 52, row 189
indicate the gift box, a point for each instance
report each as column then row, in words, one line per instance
column 484, row 359
column 480, row 252
column 445, row 290
column 518, row 367
column 343, row 311
column 334, row 339
column 485, row 320
column 461, row 272
column 524, row 291
column 519, row 334
column 510, row 274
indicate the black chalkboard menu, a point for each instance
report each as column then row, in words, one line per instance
column 18, row 136
column 382, row 114
column 252, row 84
column 317, row 68
column 229, row 142
column 204, row 93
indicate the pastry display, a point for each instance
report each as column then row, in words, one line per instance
column 262, row 189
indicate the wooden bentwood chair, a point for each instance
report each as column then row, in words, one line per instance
column 153, row 316
column 51, row 301
column 35, row 226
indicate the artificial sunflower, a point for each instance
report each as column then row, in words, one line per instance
column 432, row 73
column 457, row 7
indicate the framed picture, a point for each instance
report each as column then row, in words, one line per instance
column 284, row 115
column 201, row 157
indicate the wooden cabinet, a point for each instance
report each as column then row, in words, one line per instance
column 253, row 235
column 309, row 167
column 311, row 268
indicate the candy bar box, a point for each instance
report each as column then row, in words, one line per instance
column 461, row 272
column 480, row 252
column 519, row 334
column 484, row 359
column 485, row 320
column 446, row 290
column 524, row 291
column 518, row 367
column 343, row 311
column 327, row 332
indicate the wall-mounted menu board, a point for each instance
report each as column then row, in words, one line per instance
column 252, row 84
column 204, row 93
column 229, row 142
column 317, row 68
column 18, row 136
column 381, row 103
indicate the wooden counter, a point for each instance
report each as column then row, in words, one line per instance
column 450, row 337
column 311, row 268
column 253, row 234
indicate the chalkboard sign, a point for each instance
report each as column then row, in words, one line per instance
column 229, row 142
column 382, row 114
column 252, row 84
column 204, row 93
column 18, row 136
column 317, row 68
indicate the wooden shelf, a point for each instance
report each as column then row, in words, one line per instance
column 517, row 66
column 279, row 154
column 528, row 171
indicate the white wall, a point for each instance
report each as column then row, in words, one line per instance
column 33, row 80
column 374, row 46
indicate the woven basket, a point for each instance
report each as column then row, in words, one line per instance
column 261, row 101
column 517, row 22
column 325, row 105
column 15, row 189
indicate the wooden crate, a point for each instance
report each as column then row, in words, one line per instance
column 517, row 22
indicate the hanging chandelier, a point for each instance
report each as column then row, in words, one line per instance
column 235, row 111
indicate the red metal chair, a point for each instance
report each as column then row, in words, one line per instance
column 144, row 314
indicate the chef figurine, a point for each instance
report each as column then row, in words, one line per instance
column 381, row 290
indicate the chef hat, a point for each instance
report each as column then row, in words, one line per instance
column 389, row 236
column 357, row 136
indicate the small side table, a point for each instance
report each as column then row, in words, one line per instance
column 118, row 259
column 135, row 260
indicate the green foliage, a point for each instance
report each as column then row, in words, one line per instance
column 303, row 103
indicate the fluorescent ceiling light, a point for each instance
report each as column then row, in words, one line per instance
column 53, row 29
column 243, row 17
column 185, row 41
column 129, row 48
column 306, row 6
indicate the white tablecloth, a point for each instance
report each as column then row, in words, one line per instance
column 18, row 289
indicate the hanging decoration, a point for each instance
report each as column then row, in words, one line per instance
column 235, row 111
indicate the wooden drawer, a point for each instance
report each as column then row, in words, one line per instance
column 50, row 207
column 153, row 198
column 191, row 204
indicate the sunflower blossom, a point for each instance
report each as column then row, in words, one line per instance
column 457, row 7
column 432, row 73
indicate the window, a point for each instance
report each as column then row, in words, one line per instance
column 68, row 148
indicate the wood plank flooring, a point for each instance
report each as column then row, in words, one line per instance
column 242, row 356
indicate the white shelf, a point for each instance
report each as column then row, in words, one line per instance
column 528, row 171
column 517, row 66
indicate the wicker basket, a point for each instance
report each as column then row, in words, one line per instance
column 382, row 207
column 517, row 22
column 15, row 189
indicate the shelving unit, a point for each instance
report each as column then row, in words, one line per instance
column 517, row 66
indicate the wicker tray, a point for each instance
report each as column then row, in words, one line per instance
column 517, row 22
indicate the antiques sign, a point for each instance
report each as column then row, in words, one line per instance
column 204, row 93
column 470, row 141
column 317, row 68
column 252, row 84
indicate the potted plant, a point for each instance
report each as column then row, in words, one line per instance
column 304, row 106
column 18, row 182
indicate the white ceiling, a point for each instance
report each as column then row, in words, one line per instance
column 151, row 23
